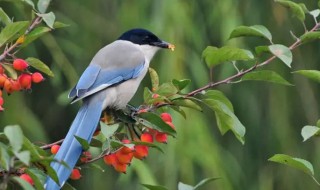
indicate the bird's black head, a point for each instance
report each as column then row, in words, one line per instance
column 144, row 37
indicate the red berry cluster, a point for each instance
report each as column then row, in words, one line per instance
column 123, row 157
column 22, row 82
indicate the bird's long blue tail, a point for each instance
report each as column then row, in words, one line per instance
column 84, row 125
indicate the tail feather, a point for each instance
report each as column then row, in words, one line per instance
column 84, row 125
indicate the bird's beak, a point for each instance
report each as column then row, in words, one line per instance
column 163, row 44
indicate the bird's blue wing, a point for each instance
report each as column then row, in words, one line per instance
column 95, row 79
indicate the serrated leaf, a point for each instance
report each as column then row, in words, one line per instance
column 153, row 121
column 315, row 13
column 23, row 156
column 204, row 182
column 12, row 73
column 309, row 131
column 37, row 176
column 309, row 37
column 214, row 56
column 35, row 34
column 167, row 89
column 4, row 158
column 297, row 163
column 15, row 136
column 108, row 130
column 267, row 76
column 4, row 18
column 295, row 8
column 24, row 184
column 310, row 74
column 181, row 84
column 58, row 24
column 12, row 31
column 282, row 52
column 187, row 103
column 154, row 79
column 39, row 65
column 85, row 145
column 48, row 18
column 154, row 187
column 256, row 30
column 183, row 186
column 226, row 119
column 43, row 5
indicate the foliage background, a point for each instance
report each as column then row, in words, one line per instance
column 273, row 114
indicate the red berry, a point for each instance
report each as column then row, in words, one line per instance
column 55, row 148
column 122, row 168
column 124, row 158
column 161, row 137
column 85, row 157
column 8, row 86
column 15, row 85
column 1, row 69
column 20, row 64
column 166, row 117
column 110, row 159
column 3, row 79
column 1, row 103
column 125, row 149
column 25, row 81
column 75, row 174
column 170, row 124
column 27, row 178
column 37, row 77
column 155, row 96
column 146, row 137
column 141, row 151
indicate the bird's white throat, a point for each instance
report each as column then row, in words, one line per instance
column 148, row 51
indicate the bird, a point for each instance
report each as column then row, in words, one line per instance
column 110, row 81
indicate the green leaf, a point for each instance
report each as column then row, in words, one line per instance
column 181, row 84
column 51, row 172
column 154, row 79
column 29, row 2
column 39, row 65
column 295, row 8
column 58, row 24
column 12, row 73
column 214, row 56
column 154, row 187
column 297, row 163
column 218, row 95
column 43, row 5
column 183, row 186
column 256, row 30
column 23, row 156
column 262, row 49
column 282, row 52
column 226, row 119
column 187, row 103
column 32, row 148
column 108, row 130
column 309, row 131
column 267, row 76
column 48, row 18
column 84, row 143
column 4, row 158
column 12, row 31
column 4, row 18
column 179, row 110
column 204, row 182
column 24, row 184
column 153, row 121
column 167, row 89
column 67, row 186
column 147, row 95
column 318, row 123
column 95, row 142
column 315, row 13
column 37, row 176
column 35, row 34
column 310, row 74
column 96, row 166
column 309, row 37
column 15, row 136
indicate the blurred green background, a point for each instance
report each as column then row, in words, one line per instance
column 272, row 114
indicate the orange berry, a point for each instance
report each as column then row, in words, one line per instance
column 161, row 137
column 122, row 168
column 20, row 64
column 155, row 96
column 110, row 159
column 166, row 117
column 15, row 85
column 3, row 79
column 37, row 77
column 141, row 152
column 27, row 178
column 8, row 86
column 75, row 174
column 55, row 148
column 125, row 149
column 146, row 137
column 170, row 124
column 25, row 81
column 86, row 156
column 124, row 158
